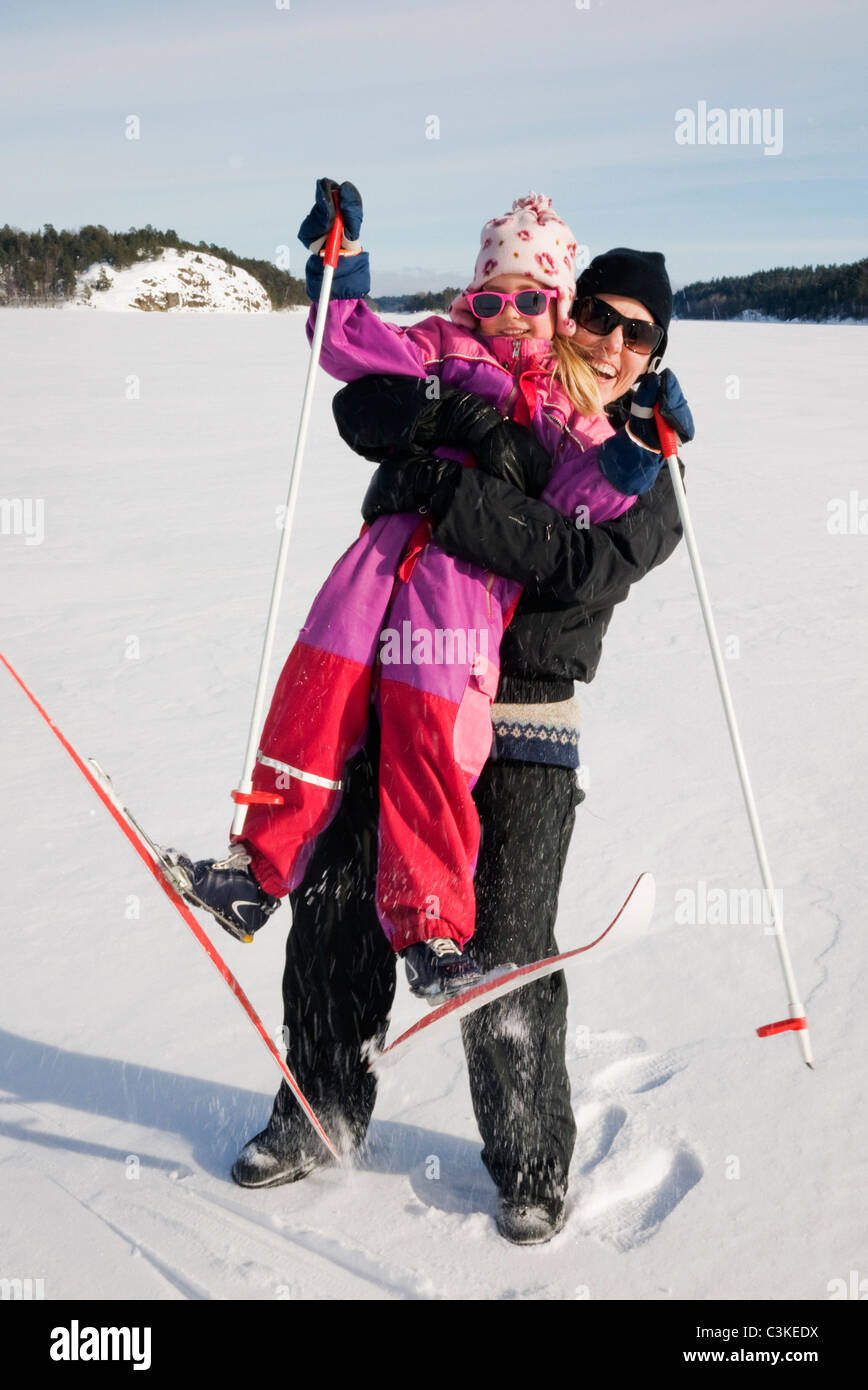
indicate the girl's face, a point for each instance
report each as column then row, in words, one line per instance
column 512, row 324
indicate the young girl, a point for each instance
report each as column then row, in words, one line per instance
column 400, row 623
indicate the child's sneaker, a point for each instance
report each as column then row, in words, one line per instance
column 226, row 888
column 438, row 969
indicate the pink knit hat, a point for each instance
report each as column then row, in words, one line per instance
column 531, row 240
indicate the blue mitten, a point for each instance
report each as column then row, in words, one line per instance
column 632, row 458
column 352, row 277
column 665, row 392
column 316, row 226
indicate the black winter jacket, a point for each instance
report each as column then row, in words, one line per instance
column 572, row 577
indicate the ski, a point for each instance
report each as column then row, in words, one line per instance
column 166, row 860
column 631, row 919
column 167, row 875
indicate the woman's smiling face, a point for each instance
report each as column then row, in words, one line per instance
column 615, row 366
column 510, row 323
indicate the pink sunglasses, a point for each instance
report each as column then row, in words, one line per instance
column 487, row 304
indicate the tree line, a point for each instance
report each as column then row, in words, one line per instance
column 803, row 292
column 41, row 267
column 792, row 292
column 429, row 303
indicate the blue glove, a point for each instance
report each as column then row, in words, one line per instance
column 352, row 277
column 632, row 458
column 315, row 227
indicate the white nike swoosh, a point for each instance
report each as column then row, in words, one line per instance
column 242, row 902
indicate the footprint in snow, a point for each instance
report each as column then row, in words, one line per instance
column 625, row 1181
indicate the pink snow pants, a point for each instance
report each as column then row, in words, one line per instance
column 372, row 635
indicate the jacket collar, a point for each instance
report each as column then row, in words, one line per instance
column 517, row 353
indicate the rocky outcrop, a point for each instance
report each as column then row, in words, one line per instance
column 176, row 282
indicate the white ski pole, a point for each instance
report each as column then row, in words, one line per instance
column 244, row 796
column 796, row 1019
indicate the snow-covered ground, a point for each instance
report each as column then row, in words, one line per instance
column 183, row 282
column 144, row 461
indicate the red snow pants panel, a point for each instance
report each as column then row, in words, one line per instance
column 429, row 827
column 435, row 692
column 317, row 720
column 319, row 712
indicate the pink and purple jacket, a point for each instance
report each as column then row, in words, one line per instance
column 400, row 622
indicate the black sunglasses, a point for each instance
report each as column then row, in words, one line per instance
column 599, row 317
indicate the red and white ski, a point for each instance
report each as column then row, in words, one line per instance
column 165, row 874
column 631, row 920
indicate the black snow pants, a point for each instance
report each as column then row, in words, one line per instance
column 339, row 980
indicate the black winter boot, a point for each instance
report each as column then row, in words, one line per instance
column 280, row 1153
column 526, row 1222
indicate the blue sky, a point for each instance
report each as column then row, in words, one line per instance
column 242, row 104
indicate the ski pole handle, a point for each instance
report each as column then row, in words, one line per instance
column 668, row 437
column 332, row 248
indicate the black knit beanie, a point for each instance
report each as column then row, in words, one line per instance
column 639, row 275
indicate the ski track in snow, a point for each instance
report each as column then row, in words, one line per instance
column 627, row 1181
column 173, row 1276
column 340, row 1253
column 235, row 1250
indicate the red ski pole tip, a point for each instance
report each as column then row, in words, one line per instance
column 257, row 798
column 784, row 1026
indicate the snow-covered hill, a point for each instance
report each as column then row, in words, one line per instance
column 136, row 571
column 183, row 282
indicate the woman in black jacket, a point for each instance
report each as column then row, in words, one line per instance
column 340, row 969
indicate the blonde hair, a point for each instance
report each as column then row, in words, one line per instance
column 574, row 373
